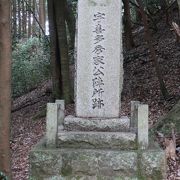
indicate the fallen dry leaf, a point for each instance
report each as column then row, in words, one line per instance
column 170, row 149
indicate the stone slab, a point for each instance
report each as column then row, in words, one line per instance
column 143, row 127
column 72, row 123
column 153, row 164
column 97, row 140
column 51, row 124
column 73, row 163
column 89, row 164
column 99, row 66
column 134, row 114
column 88, row 178
column 61, row 111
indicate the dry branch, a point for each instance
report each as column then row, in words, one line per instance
column 176, row 29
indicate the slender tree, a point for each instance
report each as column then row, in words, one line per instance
column 59, row 48
column 164, row 7
column 127, row 25
column 71, row 22
column 19, row 18
column 34, row 21
column 148, row 38
column 63, row 48
column 29, row 18
column 55, row 55
column 178, row 2
column 42, row 14
column 5, row 86
column 24, row 18
column 14, row 22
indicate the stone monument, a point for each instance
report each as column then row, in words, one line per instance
column 99, row 59
column 97, row 143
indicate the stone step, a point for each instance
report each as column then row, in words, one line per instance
column 97, row 140
column 72, row 123
column 96, row 164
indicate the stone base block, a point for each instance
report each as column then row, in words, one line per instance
column 90, row 164
column 87, row 178
column 97, row 140
column 72, row 123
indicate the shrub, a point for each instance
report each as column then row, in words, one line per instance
column 31, row 65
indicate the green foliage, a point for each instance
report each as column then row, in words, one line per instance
column 152, row 6
column 3, row 176
column 31, row 65
column 167, row 123
column 73, row 5
column 40, row 114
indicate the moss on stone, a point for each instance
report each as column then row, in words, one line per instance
column 66, row 170
column 157, row 175
column 83, row 157
column 60, row 163
column 150, row 165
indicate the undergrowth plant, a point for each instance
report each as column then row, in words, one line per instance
column 30, row 66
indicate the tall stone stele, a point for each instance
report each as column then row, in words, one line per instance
column 97, row 143
column 99, row 66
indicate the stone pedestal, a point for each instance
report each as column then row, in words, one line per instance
column 97, row 149
column 72, row 123
column 95, row 164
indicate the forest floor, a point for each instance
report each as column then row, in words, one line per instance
column 140, row 83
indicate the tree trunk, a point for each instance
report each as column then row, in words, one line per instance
column 34, row 21
column 152, row 51
column 5, row 86
column 55, row 55
column 29, row 19
column 178, row 2
column 127, row 25
column 63, row 48
column 59, row 50
column 19, row 18
column 71, row 22
column 14, row 23
column 42, row 16
column 23, row 18
column 164, row 8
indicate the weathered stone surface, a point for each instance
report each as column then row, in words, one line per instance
column 134, row 114
column 89, row 178
column 45, row 163
column 111, row 140
column 72, row 123
column 99, row 58
column 153, row 164
column 51, row 124
column 84, row 164
column 61, row 111
column 73, row 163
column 143, row 130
